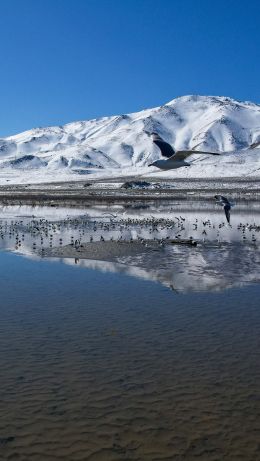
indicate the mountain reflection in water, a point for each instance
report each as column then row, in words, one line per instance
column 226, row 256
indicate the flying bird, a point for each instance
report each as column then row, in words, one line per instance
column 174, row 159
column 226, row 204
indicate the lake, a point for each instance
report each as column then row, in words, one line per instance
column 151, row 355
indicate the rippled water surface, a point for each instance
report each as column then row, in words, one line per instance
column 149, row 356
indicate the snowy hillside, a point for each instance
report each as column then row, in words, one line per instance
column 119, row 145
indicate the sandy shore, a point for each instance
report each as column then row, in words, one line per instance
column 82, row 193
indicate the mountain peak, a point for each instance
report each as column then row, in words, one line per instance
column 209, row 123
column 213, row 100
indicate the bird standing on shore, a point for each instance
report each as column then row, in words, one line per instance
column 174, row 159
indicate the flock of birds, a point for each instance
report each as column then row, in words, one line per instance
column 42, row 233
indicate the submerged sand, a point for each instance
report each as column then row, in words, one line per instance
column 108, row 369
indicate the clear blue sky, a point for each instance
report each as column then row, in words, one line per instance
column 66, row 60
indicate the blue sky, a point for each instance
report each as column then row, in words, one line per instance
column 66, row 60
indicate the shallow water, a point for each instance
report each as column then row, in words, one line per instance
column 98, row 362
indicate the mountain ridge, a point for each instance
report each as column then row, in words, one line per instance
column 211, row 123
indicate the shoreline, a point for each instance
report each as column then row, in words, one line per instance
column 82, row 193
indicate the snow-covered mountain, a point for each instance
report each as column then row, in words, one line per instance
column 119, row 144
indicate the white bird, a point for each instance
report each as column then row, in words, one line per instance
column 174, row 159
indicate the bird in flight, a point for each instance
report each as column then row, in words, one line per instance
column 226, row 204
column 174, row 159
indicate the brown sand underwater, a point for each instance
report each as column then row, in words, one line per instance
column 106, row 367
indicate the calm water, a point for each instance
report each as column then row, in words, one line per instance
column 146, row 358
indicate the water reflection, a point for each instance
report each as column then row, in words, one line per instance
column 226, row 255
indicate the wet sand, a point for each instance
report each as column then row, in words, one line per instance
column 100, row 251
column 110, row 250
